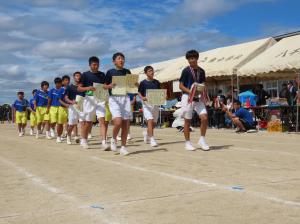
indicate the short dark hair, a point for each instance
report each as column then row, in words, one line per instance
column 20, row 93
column 94, row 59
column 117, row 55
column 77, row 73
column 148, row 67
column 237, row 102
column 44, row 83
column 34, row 91
column 57, row 80
column 65, row 77
column 192, row 54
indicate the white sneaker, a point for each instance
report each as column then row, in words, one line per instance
column 84, row 145
column 90, row 136
column 119, row 138
column 48, row 136
column 37, row 135
column 31, row 132
column 189, row 146
column 153, row 143
column 69, row 142
column 203, row 144
column 129, row 137
column 105, row 146
column 58, row 140
column 20, row 134
column 146, row 139
column 52, row 133
column 123, row 151
column 113, row 145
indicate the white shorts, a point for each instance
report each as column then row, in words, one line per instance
column 91, row 108
column 73, row 115
column 120, row 107
column 187, row 109
column 150, row 112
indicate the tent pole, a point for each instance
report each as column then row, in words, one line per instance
column 297, row 103
column 237, row 81
column 232, row 88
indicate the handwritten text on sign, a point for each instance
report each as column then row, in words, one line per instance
column 156, row 96
column 100, row 93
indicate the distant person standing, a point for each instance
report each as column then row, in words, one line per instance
column 285, row 93
column 261, row 94
column 293, row 93
column 20, row 113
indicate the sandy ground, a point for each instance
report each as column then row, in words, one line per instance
column 246, row 178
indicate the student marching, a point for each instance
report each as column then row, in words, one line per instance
column 66, row 105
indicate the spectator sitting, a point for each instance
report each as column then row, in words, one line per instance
column 242, row 118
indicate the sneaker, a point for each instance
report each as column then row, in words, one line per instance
column 203, row 144
column 123, row 151
column 69, row 140
column 90, row 136
column 48, row 136
column 58, row 140
column 146, row 139
column 153, row 143
column 105, row 146
column 189, row 146
column 119, row 138
column 113, row 145
column 20, row 134
column 77, row 139
column 52, row 133
column 31, row 132
column 129, row 137
column 84, row 145
column 37, row 135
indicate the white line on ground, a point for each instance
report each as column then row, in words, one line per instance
column 41, row 183
column 200, row 182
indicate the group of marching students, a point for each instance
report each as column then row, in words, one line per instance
column 55, row 110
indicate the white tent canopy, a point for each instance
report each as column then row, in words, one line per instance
column 278, row 60
column 217, row 63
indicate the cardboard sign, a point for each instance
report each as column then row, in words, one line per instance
column 120, row 88
column 131, row 81
column 79, row 103
column 100, row 93
column 156, row 96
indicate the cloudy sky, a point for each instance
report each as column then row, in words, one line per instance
column 41, row 39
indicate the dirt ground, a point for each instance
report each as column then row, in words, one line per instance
column 245, row 178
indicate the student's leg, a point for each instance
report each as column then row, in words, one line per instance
column 150, row 127
column 204, row 123
column 19, row 127
column 117, row 126
column 124, row 133
column 86, row 128
column 186, row 129
column 60, row 128
column 103, row 129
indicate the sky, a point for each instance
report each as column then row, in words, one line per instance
column 43, row 39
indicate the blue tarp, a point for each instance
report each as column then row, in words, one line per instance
column 248, row 94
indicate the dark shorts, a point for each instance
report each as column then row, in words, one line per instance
column 247, row 125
